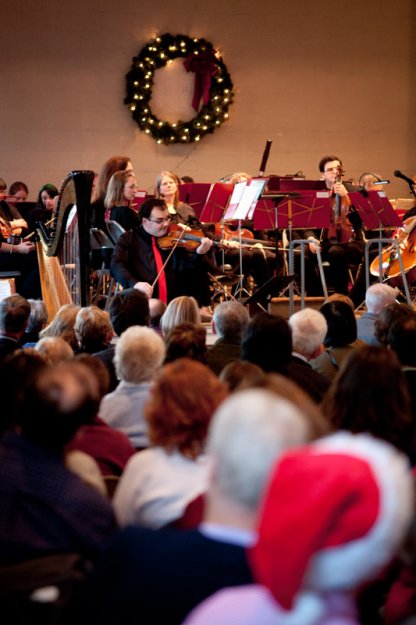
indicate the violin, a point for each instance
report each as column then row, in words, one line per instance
column 178, row 237
column 7, row 233
column 247, row 237
column 340, row 230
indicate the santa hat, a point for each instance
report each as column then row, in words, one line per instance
column 334, row 514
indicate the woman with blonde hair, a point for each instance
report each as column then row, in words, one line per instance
column 180, row 310
column 63, row 325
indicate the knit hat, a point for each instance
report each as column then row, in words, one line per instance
column 334, row 514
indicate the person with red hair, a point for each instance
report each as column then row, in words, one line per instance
column 159, row 482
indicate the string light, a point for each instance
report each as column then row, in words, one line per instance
column 158, row 53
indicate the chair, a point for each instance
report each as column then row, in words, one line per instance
column 115, row 230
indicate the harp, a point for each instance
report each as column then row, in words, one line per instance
column 64, row 248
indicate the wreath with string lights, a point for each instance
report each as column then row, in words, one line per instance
column 213, row 85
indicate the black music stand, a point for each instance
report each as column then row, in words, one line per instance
column 275, row 286
column 377, row 213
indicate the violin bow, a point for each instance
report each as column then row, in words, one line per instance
column 162, row 269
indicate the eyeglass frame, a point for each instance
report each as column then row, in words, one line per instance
column 160, row 220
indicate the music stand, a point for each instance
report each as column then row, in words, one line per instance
column 308, row 209
column 276, row 285
column 195, row 194
column 377, row 213
column 242, row 206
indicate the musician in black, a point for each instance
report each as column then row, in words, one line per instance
column 342, row 244
column 138, row 258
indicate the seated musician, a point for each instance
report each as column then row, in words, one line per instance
column 17, row 254
column 342, row 244
column 159, row 270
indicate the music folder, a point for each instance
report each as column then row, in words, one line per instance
column 244, row 199
column 195, row 194
column 216, row 202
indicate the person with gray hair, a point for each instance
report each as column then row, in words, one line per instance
column 309, row 328
column 174, row 570
column 139, row 353
column 229, row 321
column 377, row 297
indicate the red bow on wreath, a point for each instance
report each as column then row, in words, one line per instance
column 205, row 67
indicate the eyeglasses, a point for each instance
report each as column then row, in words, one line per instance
column 161, row 220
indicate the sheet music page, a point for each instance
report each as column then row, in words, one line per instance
column 235, row 200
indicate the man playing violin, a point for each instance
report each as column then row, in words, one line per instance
column 139, row 262
column 342, row 244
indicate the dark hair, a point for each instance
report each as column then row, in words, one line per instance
column 14, row 313
column 128, row 308
column 370, row 394
column 186, row 340
column 389, row 315
column 267, row 342
column 328, row 159
column 342, row 325
column 50, row 189
column 186, row 179
column 18, row 186
column 148, row 205
column 401, row 338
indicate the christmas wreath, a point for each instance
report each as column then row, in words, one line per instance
column 213, row 86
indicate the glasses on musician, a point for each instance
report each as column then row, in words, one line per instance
column 161, row 220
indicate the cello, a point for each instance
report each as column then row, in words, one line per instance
column 406, row 238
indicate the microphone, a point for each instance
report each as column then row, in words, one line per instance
column 399, row 174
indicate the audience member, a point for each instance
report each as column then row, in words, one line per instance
column 377, row 297
column 16, row 372
column 54, row 349
column 370, row 394
column 159, row 482
column 139, row 353
column 118, row 200
column 229, row 322
column 187, row 340
column 14, row 317
column 93, row 329
column 128, row 307
column 309, row 328
column 267, row 342
column 113, row 164
column 182, row 309
column 156, row 310
column 63, row 325
column 241, row 374
column 110, row 448
column 340, row 339
column 38, row 320
column 321, row 536
column 53, row 511
column 162, row 574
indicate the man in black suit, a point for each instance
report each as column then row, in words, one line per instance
column 309, row 328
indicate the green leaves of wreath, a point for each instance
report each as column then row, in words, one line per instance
column 212, row 84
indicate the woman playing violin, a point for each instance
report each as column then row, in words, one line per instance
column 139, row 262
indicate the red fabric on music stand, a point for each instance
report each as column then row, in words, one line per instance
column 375, row 209
column 195, row 194
column 216, row 202
column 310, row 210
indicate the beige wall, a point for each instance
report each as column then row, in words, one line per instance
column 312, row 76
